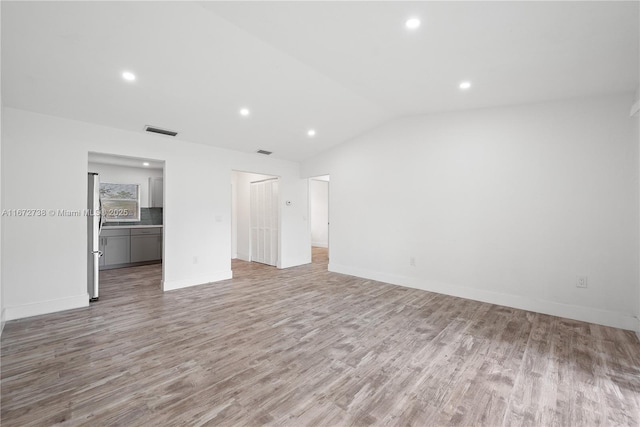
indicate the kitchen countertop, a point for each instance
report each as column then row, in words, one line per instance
column 120, row 227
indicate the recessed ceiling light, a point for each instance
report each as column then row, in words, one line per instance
column 412, row 23
column 311, row 132
column 465, row 85
column 244, row 112
column 128, row 76
column 145, row 164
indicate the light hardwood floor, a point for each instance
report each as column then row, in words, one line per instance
column 303, row 346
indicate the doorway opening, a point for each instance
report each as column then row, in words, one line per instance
column 319, row 218
column 130, row 234
column 255, row 218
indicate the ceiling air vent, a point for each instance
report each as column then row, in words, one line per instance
column 265, row 152
column 154, row 129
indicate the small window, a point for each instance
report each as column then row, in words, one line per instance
column 120, row 202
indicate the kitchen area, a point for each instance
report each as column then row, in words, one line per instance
column 129, row 232
column 130, row 245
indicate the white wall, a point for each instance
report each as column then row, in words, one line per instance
column 319, row 212
column 234, row 215
column 243, row 182
column 635, row 120
column 114, row 174
column 505, row 205
column 2, row 310
column 44, row 262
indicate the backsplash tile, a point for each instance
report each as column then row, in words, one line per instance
column 148, row 216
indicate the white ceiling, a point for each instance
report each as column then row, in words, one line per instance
column 341, row 68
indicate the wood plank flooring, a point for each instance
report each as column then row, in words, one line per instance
column 303, row 346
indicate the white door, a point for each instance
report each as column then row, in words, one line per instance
column 264, row 222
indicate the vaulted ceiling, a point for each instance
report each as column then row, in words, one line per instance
column 340, row 68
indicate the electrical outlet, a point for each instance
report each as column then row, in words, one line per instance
column 412, row 261
column 195, row 259
column 581, row 282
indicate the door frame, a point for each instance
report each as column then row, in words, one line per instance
column 310, row 216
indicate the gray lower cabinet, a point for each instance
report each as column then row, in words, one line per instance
column 116, row 246
column 146, row 244
column 129, row 246
column 103, row 249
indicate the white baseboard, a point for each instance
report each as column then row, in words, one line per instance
column 2, row 320
column 585, row 314
column 195, row 281
column 45, row 307
column 320, row 244
column 294, row 262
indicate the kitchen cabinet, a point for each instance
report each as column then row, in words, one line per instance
column 116, row 246
column 156, row 192
column 130, row 246
column 102, row 249
column 146, row 244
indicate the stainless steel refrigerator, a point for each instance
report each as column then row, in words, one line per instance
column 94, row 225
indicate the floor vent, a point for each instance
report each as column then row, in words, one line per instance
column 265, row 152
column 154, row 129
